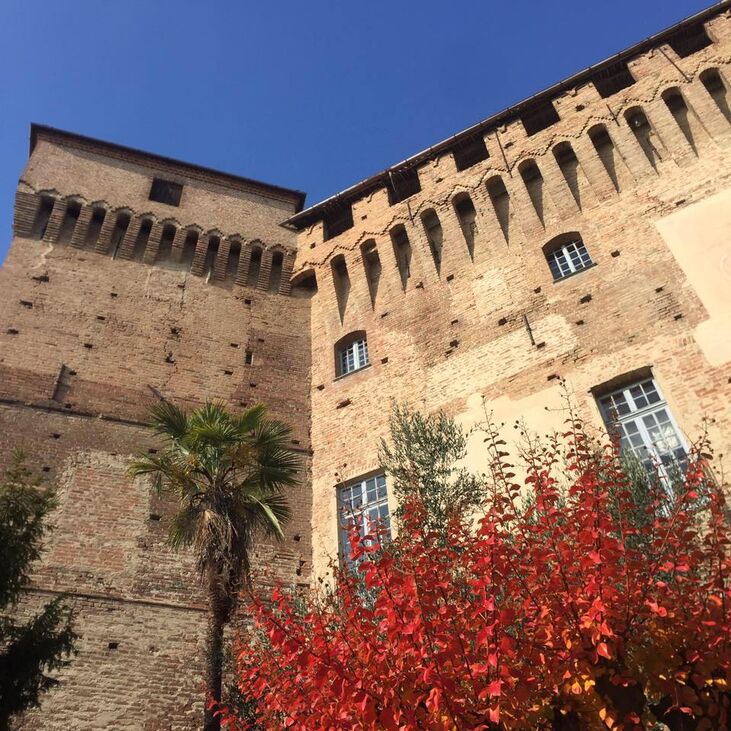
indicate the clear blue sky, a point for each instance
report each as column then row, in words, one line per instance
column 310, row 95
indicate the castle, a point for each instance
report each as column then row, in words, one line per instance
column 582, row 236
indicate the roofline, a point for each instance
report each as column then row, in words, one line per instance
column 315, row 212
column 37, row 130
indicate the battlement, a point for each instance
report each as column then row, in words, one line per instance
column 526, row 175
column 112, row 200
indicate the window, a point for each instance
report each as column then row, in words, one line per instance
column 567, row 256
column 433, row 230
column 402, row 185
column 645, row 426
column 716, row 87
column 612, row 78
column 469, row 152
column 352, row 354
column 339, row 219
column 689, row 39
column 366, row 504
column 643, row 132
column 165, row 191
column 538, row 117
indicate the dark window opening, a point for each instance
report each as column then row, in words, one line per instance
column 689, row 40
column 211, row 253
column 337, row 221
column 539, row 117
column 500, row 202
column 191, row 241
column 305, row 284
column 275, row 276
column 73, row 211
column 606, row 151
column 469, row 152
column 402, row 184
column 165, row 249
column 95, row 226
column 165, row 191
column 120, row 229
column 252, row 278
column 434, row 235
column 643, row 132
column 568, row 163
column 533, row 181
column 42, row 217
column 341, row 280
column 234, row 257
column 402, row 252
column 467, row 215
column 249, row 357
column 716, row 87
column 681, row 114
column 142, row 238
column 372, row 266
column 612, row 79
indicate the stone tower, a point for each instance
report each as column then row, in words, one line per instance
column 581, row 237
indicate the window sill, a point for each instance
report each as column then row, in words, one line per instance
column 573, row 274
column 353, row 372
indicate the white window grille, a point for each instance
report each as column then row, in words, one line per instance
column 364, row 503
column 352, row 356
column 568, row 259
column 645, row 426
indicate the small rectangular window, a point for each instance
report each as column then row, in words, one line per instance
column 612, row 79
column 352, row 357
column 690, row 39
column 365, row 504
column 539, row 117
column 337, row 221
column 402, row 185
column 165, row 191
column 645, row 426
column 568, row 259
column 470, row 152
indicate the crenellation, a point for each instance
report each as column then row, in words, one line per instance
column 584, row 246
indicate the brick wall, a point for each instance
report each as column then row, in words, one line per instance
column 458, row 332
column 106, row 293
column 85, row 331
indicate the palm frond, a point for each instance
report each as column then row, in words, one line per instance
column 168, row 420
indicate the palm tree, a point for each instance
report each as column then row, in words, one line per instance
column 228, row 473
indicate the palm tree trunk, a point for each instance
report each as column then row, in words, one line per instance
column 214, row 658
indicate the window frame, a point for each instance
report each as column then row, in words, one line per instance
column 553, row 250
column 362, row 512
column 637, row 415
column 358, row 346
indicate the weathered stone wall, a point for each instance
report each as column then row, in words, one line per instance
column 84, row 332
column 657, row 297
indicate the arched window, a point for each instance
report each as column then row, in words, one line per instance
column 43, row 216
column 304, row 284
column 566, row 255
column 351, row 353
column 467, row 215
column 165, row 249
column 533, row 181
column 254, row 267
column 604, row 147
column 717, row 88
column 500, row 202
column 643, row 132
column 681, row 114
column 275, row 274
column 402, row 253
column 433, row 230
